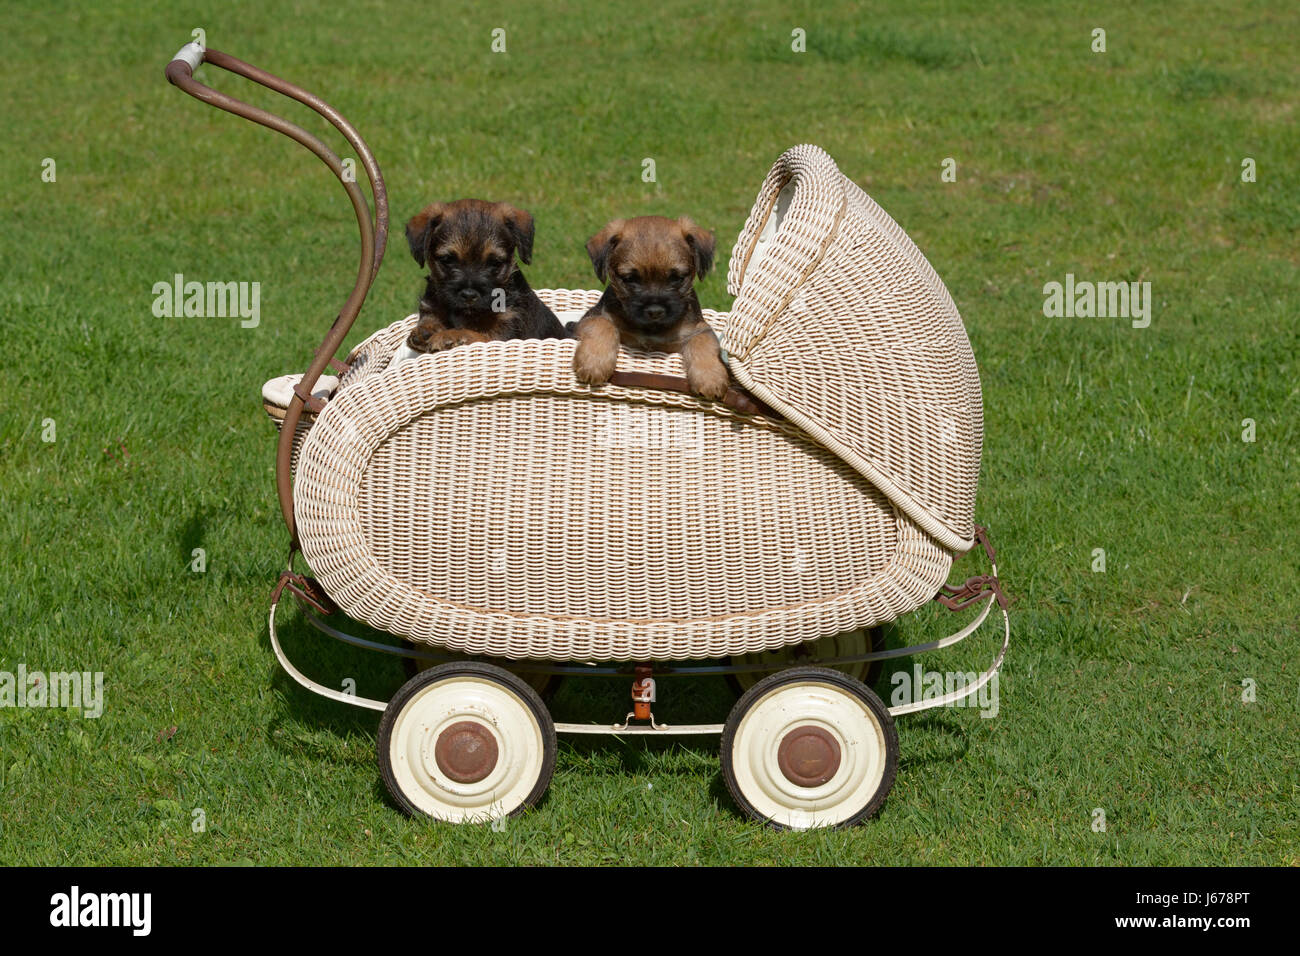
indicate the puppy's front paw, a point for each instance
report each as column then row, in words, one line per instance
column 445, row 339
column 708, row 379
column 420, row 335
column 594, row 365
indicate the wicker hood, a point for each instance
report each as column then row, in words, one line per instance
column 841, row 324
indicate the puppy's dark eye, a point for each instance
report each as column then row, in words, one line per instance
column 447, row 259
column 629, row 277
column 496, row 262
column 676, row 276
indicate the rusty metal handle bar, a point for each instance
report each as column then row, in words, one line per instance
column 374, row 233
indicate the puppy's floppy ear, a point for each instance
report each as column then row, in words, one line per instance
column 520, row 226
column 702, row 245
column 601, row 245
column 421, row 226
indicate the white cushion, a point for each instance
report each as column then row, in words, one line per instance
column 279, row 391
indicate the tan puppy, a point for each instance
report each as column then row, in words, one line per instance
column 651, row 264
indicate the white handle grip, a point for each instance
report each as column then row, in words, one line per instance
column 191, row 53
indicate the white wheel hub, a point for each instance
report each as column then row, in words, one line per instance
column 466, row 749
column 809, row 754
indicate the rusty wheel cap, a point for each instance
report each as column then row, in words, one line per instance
column 808, row 756
column 466, row 752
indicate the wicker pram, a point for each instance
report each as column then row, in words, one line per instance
column 483, row 502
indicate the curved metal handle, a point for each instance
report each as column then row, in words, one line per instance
column 374, row 232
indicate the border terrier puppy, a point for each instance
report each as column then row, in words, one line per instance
column 651, row 264
column 474, row 291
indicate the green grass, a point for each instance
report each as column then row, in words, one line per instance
column 1123, row 689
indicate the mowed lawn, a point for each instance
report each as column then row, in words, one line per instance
column 1163, row 691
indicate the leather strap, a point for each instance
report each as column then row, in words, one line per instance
column 971, row 591
column 974, row 589
column 309, row 401
column 306, row 589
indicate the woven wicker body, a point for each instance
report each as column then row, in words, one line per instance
column 484, row 501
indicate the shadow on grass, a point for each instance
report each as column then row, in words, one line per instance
column 607, row 700
column 930, row 738
column 333, row 664
column 192, row 533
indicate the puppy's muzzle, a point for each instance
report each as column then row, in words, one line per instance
column 655, row 315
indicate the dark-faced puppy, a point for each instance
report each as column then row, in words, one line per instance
column 650, row 264
column 475, row 291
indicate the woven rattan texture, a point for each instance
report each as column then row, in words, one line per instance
column 847, row 330
column 484, row 501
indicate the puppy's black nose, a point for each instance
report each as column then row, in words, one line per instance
column 469, row 296
column 655, row 312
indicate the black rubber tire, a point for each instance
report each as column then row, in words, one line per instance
column 824, row 675
column 501, row 676
column 873, row 667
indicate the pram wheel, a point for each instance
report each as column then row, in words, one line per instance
column 466, row 742
column 809, row 747
column 841, row 645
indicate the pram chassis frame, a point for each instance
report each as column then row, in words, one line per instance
column 661, row 669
